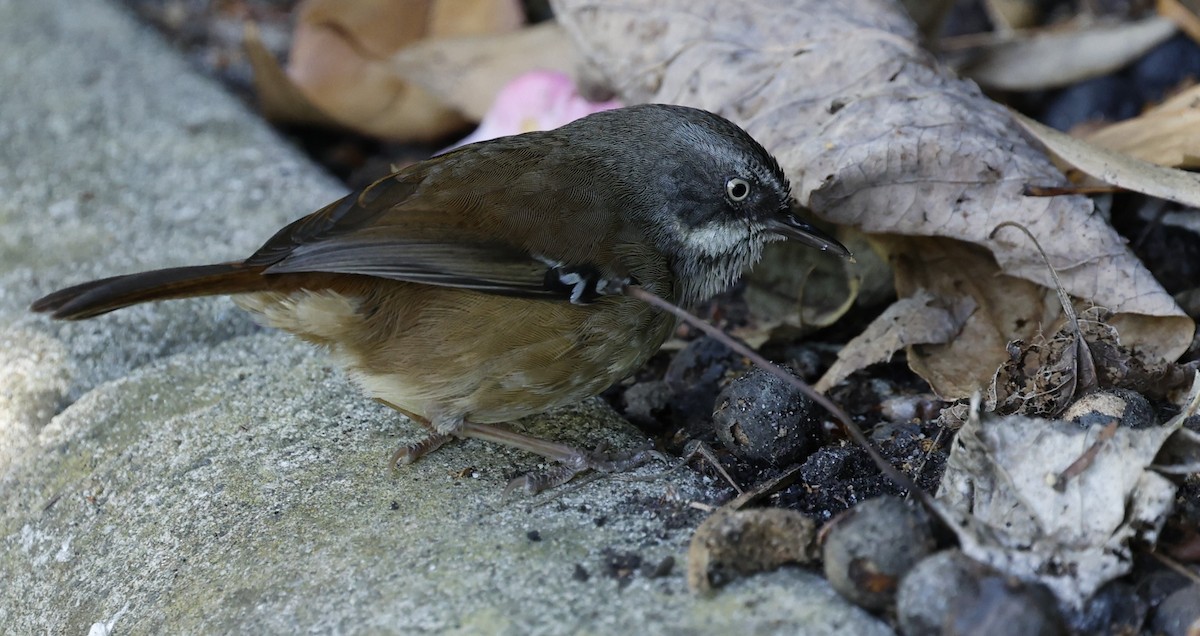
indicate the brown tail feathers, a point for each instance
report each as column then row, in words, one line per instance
column 107, row 294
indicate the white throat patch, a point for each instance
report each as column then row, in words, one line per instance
column 718, row 240
column 714, row 256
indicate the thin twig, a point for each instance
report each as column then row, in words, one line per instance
column 1059, row 191
column 1085, row 460
column 1178, row 567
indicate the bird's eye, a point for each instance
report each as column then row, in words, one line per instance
column 737, row 189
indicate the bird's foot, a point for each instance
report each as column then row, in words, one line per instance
column 572, row 461
column 410, row 453
column 580, row 462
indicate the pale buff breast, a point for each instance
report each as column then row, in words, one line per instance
column 443, row 353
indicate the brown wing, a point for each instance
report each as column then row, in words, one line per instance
column 490, row 219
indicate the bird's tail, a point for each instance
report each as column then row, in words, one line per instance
column 107, row 294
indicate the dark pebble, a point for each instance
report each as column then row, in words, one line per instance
column 695, row 376
column 1005, row 606
column 1165, row 66
column 1115, row 609
column 1179, row 614
column 761, row 419
column 646, row 402
column 932, row 587
column 1107, row 98
column 1130, row 408
column 872, row 546
column 663, row 568
column 1156, row 586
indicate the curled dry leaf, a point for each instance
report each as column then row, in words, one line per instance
column 878, row 136
column 340, row 64
column 918, row 319
column 1002, row 497
column 278, row 97
column 1041, row 378
column 1117, row 168
column 1051, row 59
column 1073, row 371
column 1183, row 16
column 1008, row 15
column 1168, row 135
column 1006, row 308
column 466, row 73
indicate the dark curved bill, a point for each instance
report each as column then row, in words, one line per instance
column 790, row 226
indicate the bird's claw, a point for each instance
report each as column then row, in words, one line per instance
column 598, row 460
column 410, row 453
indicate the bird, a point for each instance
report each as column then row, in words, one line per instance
column 487, row 284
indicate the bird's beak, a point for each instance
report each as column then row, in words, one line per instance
column 789, row 225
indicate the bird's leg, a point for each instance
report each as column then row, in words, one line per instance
column 562, row 453
column 573, row 461
column 410, row 453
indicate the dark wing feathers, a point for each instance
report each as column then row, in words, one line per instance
column 354, row 211
column 385, row 231
column 494, row 267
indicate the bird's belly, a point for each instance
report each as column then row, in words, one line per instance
column 444, row 353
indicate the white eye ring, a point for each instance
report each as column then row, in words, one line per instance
column 737, row 189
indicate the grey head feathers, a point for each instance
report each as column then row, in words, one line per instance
column 705, row 190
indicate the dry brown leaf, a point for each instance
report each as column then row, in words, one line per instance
column 1168, row 135
column 1012, row 15
column 1071, row 366
column 467, row 72
column 278, row 96
column 1009, row 15
column 918, row 319
column 1118, row 168
column 1061, row 57
column 877, row 136
column 340, row 53
column 1184, row 17
column 1006, row 308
